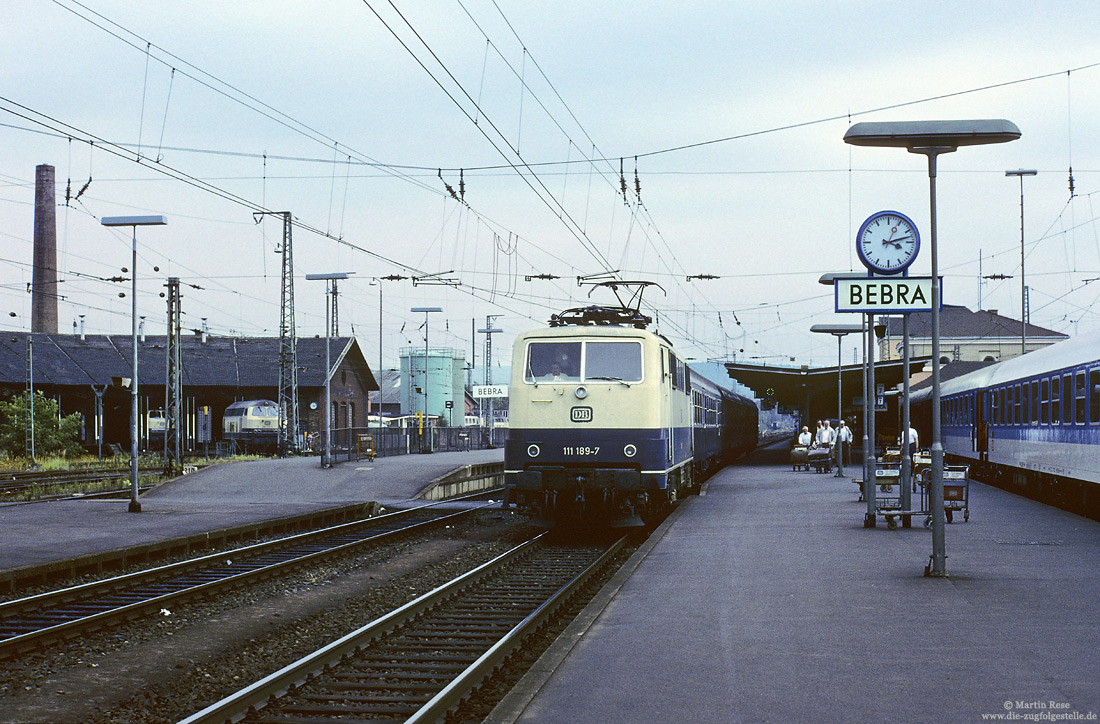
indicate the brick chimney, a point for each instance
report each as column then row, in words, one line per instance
column 44, row 277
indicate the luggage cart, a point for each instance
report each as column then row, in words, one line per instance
column 800, row 458
column 888, row 499
column 821, row 458
column 956, row 492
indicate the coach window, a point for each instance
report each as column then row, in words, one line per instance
column 1094, row 396
column 1044, row 401
column 1055, row 407
column 1080, row 400
column 1066, row 399
column 1021, row 410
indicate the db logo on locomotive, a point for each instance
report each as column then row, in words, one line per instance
column 580, row 414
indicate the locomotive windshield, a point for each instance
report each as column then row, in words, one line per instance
column 563, row 361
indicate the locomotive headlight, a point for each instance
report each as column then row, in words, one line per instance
column 581, row 392
column 533, row 450
column 630, row 451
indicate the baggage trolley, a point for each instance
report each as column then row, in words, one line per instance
column 956, row 492
column 364, row 447
column 821, row 459
column 800, row 457
column 888, row 500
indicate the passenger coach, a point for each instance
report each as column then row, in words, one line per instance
column 1031, row 423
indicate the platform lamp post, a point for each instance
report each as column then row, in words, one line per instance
column 840, row 331
column 426, row 441
column 932, row 139
column 330, row 280
column 867, row 446
column 1021, row 172
column 134, row 222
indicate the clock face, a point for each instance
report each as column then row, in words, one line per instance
column 888, row 242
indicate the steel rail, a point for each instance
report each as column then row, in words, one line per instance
column 343, row 538
column 453, row 694
column 254, row 697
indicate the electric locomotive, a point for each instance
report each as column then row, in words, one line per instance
column 1029, row 424
column 608, row 425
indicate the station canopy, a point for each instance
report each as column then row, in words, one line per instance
column 812, row 391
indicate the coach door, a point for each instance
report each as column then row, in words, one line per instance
column 981, row 423
column 668, row 361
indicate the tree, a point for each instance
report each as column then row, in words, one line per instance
column 53, row 434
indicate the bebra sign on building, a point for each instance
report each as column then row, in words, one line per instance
column 885, row 294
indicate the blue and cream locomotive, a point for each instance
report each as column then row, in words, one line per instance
column 608, row 424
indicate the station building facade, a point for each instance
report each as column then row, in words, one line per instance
column 965, row 336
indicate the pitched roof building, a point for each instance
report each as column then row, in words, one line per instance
column 216, row 372
column 965, row 336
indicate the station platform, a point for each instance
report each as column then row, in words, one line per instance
column 766, row 600
column 217, row 498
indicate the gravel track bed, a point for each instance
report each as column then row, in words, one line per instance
column 165, row 667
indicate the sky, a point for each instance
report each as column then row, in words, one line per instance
column 723, row 122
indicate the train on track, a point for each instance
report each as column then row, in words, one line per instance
column 609, row 426
column 253, row 425
column 1029, row 424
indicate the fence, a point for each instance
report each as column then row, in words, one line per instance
column 347, row 445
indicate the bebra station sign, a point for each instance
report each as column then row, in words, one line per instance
column 885, row 294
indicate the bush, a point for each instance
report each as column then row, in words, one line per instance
column 53, row 434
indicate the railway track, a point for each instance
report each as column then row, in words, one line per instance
column 34, row 621
column 422, row 660
column 34, row 484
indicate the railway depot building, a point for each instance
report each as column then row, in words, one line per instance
column 76, row 369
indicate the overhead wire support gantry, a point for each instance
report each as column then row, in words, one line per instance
column 288, row 342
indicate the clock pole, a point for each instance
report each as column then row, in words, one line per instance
column 931, row 139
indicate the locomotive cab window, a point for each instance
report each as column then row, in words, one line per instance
column 613, row 360
column 583, row 361
column 553, row 362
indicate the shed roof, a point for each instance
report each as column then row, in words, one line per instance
column 69, row 360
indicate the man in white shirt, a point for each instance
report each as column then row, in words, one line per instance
column 843, row 440
column 805, row 438
column 826, row 435
column 910, row 441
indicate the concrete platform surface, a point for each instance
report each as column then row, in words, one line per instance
column 220, row 496
column 766, row 600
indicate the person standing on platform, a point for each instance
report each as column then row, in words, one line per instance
column 826, row 435
column 805, row 438
column 911, row 443
column 843, row 441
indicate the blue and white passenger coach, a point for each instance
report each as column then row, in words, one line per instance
column 606, row 422
column 1030, row 424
